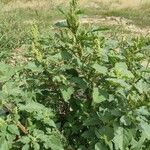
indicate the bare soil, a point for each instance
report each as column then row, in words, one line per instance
column 125, row 24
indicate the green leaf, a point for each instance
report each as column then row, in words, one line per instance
column 66, row 55
column 13, row 129
column 122, row 138
column 4, row 145
column 11, row 89
column 118, row 139
column 105, row 132
column 125, row 120
column 36, row 146
column 142, row 111
column 138, row 145
column 142, row 86
column 100, row 146
column 98, row 95
column 122, row 71
column 66, row 92
column 6, row 72
column 146, row 129
column 119, row 82
column 31, row 107
column 33, row 67
column 91, row 121
column 2, row 121
column 25, row 139
column 50, row 122
column 26, row 147
column 100, row 69
column 80, row 82
column 54, row 143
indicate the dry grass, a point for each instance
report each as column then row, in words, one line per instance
column 23, row 5
column 46, row 12
column 117, row 4
column 36, row 4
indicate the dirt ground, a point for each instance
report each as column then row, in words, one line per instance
column 125, row 24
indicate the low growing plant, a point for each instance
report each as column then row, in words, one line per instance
column 81, row 89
